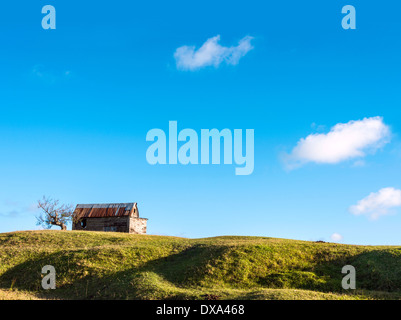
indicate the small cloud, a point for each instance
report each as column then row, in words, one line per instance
column 377, row 203
column 17, row 209
column 48, row 76
column 344, row 141
column 359, row 163
column 336, row 237
column 211, row 53
column 10, row 214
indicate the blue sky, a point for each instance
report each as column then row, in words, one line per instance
column 77, row 102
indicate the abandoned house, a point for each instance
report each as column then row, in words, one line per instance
column 116, row 217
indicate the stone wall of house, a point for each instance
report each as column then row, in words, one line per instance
column 137, row 225
column 113, row 224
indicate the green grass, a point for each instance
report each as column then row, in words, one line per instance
column 97, row 265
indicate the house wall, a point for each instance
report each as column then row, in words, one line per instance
column 137, row 225
column 122, row 224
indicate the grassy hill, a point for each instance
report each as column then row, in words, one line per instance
column 97, row 265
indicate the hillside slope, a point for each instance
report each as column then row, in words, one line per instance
column 96, row 265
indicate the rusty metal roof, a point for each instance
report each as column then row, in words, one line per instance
column 105, row 210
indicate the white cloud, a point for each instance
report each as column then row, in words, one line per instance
column 211, row 53
column 48, row 76
column 377, row 203
column 336, row 237
column 344, row 141
column 18, row 209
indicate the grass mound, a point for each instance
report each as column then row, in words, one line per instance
column 97, row 265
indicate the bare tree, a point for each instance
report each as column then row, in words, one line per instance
column 54, row 214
